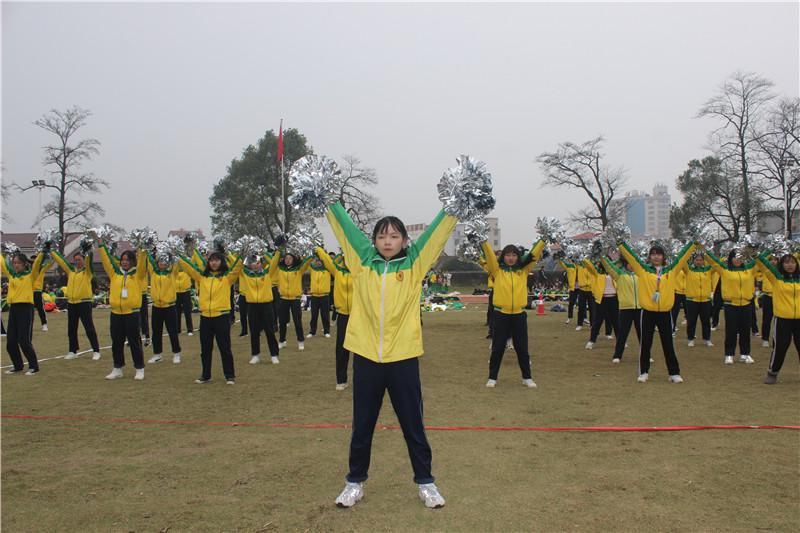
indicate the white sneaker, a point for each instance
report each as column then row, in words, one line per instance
column 155, row 359
column 116, row 373
column 139, row 374
column 615, row 360
column 146, row 341
column 609, row 337
column 301, row 346
column 351, row 495
column 282, row 344
column 676, row 379
column 713, row 329
column 274, row 360
column 255, row 360
column 309, row 335
column 728, row 359
column 491, row 383
column 691, row 344
column 589, row 345
column 746, row 359
column 529, row 383
column 341, row 386
column 709, row 344
column 578, row 328
column 566, row 321
column 765, row 344
column 44, row 327
column 683, row 322
column 230, row 382
column 12, row 371
column 176, row 359
column 31, row 372
column 96, row 356
column 190, row 334
column 327, row 335
column 509, row 346
column 652, row 360
column 642, row 378
column 429, row 494
column 71, row 355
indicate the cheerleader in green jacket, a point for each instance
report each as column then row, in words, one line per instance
column 385, row 336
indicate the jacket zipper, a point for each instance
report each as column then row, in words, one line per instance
column 383, row 299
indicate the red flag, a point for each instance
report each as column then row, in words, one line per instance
column 280, row 143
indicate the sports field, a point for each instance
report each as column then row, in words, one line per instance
column 165, row 454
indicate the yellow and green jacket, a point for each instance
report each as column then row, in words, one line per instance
column 134, row 281
column 257, row 286
column 627, row 285
column 320, row 280
column 214, row 290
column 785, row 292
column 38, row 283
column 489, row 278
column 738, row 283
column 699, row 283
column 680, row 282
column 384, row 321
column 511, row 283
column 766, row 284
column 20, row 285
column 572, row 274
column 290, row 279
column 598, row 280
column 163, row 283
column 183, row 283
column 653, row 280
column 79, row 282
column 342, row 282
column 584, row 278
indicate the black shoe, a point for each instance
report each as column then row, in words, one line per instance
column 243, row 334
column 489, row 336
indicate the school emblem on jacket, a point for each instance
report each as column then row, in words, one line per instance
column 399, row 275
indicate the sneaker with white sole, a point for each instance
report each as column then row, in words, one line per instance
column 71, row 355
column 96, row 356
column 32, row 372
column 728, row 360
column 765, row 344
column 642, row 378
column 202, row 381
column 13, row 371
column 746, row 359
column 771, row 378
column 615, row 360
column 116, row 373
column 491, row 383
column 190, row 334
column 230, row 382
column 44, row 327
column 139, row 374
column 709, row 344
column 155, row 359
column 275, row 360
column 566, row 321
column 146, row 342
column 255, row 360
column 713, row 328
column 578, row 328
column 529, row 383
column 301, row 346
column 691, row 344
column 429, row 494
column 589, row 345
column 341, row 386
column 351, row 495
column 683, row 322
column 609, row 337
column 676, row 378
column 309, row 335
column 282, row 344
column 327, row 335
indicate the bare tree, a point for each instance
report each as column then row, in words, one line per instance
column 63, row 160
column 362, row 205
column 5, row 194
column 739, row 107
column 578, row 166
column 777, row 160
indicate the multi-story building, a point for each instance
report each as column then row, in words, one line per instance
column 647, row 215
column 415, row 230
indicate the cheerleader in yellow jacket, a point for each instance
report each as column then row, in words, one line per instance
column 510, row 299
column 320, row 290
column 572, row 286
column 21, row 277
column 699, row 289
column 214, row 284
column 38, row 287
column 183, row 300
column 630, row 312
column 256, row 281
column 290, row 286
column 164, row 292
column 606, row 303
column 766, row 302
column 343, row 301
column 127, row 282
column 385, row 336
column 80, row 299
column 785, row 281
column 656, row 285
column 737, row 278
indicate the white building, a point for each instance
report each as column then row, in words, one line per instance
column 647, row 215
column 415, row 230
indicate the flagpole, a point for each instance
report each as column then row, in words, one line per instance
column 283, row 188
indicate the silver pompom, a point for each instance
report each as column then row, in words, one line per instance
column 747, row 247
column 550, row 229
column 165, row 252
column 142, row 238
column 315, row 184
column 614, row 234
column 248, row 246
column 47, row 239
column 304, row 238
column 467, row 252
column 105, row 234
column 9, row 248
column 202, row 247
column 466, row 189
column 702, row 234
column 476, row 231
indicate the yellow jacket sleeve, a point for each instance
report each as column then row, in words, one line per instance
column 61, row 262
column 767, row 269
column 535, row 254
column 355, row 245
column 327, row 262
column 36, row 269
column 632, row 259
column 611, row 268
column 427, row 248
column 190, row 268
column 105, row 258
column 141, row 268
column 492, row 266
column 5, row 267
column 236, row 269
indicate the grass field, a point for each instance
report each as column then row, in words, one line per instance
column 96, row 470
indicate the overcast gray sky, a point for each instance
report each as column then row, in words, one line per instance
column 178, row 90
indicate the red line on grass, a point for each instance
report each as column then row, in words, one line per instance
column 347, row 426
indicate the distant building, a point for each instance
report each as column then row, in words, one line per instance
column 769, row 222
column 647, row 215
column 415, row 230
column 183, row 232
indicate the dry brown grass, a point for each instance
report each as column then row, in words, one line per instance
column 94, row 474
